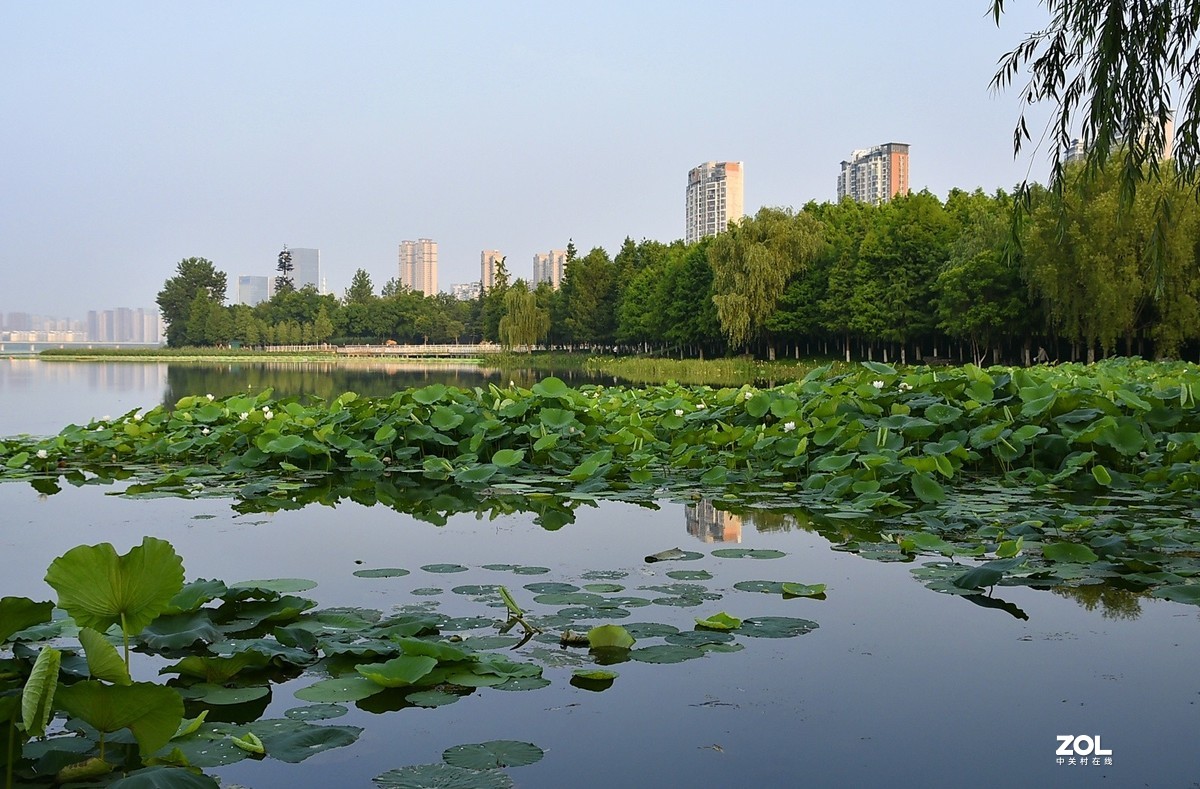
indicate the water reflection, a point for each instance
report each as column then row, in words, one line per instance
column 1113, row 602
column 327, row 380
column 709, row 524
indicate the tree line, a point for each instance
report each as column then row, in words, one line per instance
column 1082, row 274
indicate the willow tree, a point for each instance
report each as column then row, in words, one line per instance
column 1121, row 71
column 524, row 321
column 752, row 263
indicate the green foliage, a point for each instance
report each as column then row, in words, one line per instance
column 100, row 589
column 152, row 712
column 194, row 278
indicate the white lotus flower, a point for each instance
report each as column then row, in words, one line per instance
column 41, row 453
column 700, row 406
column 678, row 412
column 789, row 427
column 210, row 397
column 904, row 386
column 242, row 416
column 268, row 415
column 877, row 384
column 137, row 417
column 205, row 431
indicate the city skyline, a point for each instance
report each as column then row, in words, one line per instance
column 231, row 158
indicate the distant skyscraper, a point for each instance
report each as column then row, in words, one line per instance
column 307, row 269
column 253, row 290
column 549, row 267
column 489, row 259
column 714, row 199
column 418, row 265
column 875, row 175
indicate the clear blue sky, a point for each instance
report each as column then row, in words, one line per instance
column 135, row 134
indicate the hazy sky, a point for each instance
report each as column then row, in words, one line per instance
column 137, row 134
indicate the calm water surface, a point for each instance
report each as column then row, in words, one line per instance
column 899, row 686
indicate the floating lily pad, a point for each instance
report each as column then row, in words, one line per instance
column 483, row 643
column 432, row 698
column 690, row 575
column 315, row 712
column 592, row 612
column 804, row 590
column 776, row 627
column 626, row 601
column 1189, row 593
column 442, row 776
column 604, row 588
column 444, row 568
column 532, row 570
column 665, row 653
column 500, row 567
column 674, row 554
column 604, row 575
column 493, row 754
column 766, row 587
column 468, row 623
column 695, row 638
column 382, row 572
column 221, row 695
column 650, row 629
column 294, row 741
column 719, row 621
column 679, row 601
column 280, row 585
column 427, row 591
column 347, row 688
column 476, row 590
column 551, row 587
column 748, row 553
column 523, row 683
column 569, row 598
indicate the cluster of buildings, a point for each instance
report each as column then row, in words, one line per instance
column 118, row 325
column 306, row 270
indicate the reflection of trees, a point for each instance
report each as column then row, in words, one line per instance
column 1114, row 602
column 327, row 380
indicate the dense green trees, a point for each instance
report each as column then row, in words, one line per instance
column 193, row 277
column 899, row 281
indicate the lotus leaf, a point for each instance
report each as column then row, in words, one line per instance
column 152, row 712
column 493, row 754
column 100, row 589
column 18, row 613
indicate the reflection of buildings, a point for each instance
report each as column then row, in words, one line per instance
column 706, row 523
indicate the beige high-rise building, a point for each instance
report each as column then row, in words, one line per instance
column 549, row 267
column 418, row 265
column 489, row 259
column 714, row 199
column 875, row 175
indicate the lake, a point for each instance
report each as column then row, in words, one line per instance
column 897, row 685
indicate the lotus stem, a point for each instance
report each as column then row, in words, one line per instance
column 125, row 638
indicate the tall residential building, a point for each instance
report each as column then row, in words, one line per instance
column 418, row 265
column 714, row 199
column 253, row 290
column 307, row 269
column 875, row 175
column 488, row 260
column 549, row 267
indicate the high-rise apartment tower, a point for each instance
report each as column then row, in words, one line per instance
column 549, row 267
column 714, row 199
column 418, row 265
column 489, row 259
column 875, row 175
